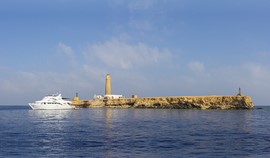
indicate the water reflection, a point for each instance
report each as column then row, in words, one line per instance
column 48, row 115
column 108, row 131
column 51, row 129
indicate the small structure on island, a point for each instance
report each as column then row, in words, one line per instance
column 76, row 98
column 239, row 92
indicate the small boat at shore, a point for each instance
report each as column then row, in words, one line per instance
column 51, row 102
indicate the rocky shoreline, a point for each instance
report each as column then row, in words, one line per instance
column 172, row 102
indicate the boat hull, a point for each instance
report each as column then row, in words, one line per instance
column 50, row 106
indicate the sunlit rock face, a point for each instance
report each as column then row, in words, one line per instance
column 184, row 102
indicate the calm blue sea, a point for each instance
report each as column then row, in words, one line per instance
column 106, row 132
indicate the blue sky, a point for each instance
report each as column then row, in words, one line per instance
column 150, row 48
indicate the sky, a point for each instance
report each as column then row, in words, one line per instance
column 149, row 47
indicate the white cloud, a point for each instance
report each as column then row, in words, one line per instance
column 257, row 71
column 67, row 52
column 65, row 49
column 119, row 54
column 30, row 85
column 253, row 78
column 196, row 67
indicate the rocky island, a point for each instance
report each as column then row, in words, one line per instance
column 238, row 101
column 175, row 102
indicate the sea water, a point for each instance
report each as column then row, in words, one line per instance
column 108, row 132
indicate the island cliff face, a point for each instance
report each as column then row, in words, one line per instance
column 177, row 102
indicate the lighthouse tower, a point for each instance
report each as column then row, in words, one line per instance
column 108, row 90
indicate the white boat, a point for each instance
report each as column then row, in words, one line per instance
column 51, row 102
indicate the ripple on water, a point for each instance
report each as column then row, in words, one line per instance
column 135, row 133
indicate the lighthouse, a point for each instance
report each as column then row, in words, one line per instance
column 108, row 90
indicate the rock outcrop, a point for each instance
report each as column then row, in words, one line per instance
column 177, row 102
